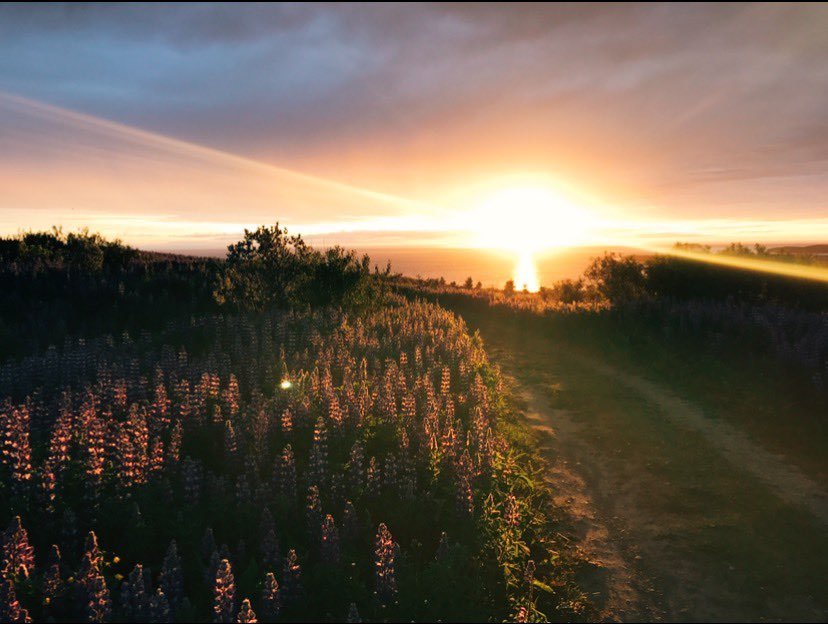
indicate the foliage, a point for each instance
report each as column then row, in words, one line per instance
column 268, row 267
column 271, row 268
column 568, row 291
column 76, row 251
column 54, row 284
column 617, row 278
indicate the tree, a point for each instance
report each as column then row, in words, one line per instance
column 567, row 291
column 267, row 267
column 617, row 278
column 270, row 268
column 341, row 277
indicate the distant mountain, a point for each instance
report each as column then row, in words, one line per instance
column 804, row 250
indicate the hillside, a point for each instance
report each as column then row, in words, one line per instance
column 355, row 458
column 806, row 250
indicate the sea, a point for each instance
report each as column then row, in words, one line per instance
column 490, row 267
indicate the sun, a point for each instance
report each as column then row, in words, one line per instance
column 528, row 219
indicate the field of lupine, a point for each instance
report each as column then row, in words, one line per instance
column 273, row 466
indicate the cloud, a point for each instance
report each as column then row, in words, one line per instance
column 665, row 107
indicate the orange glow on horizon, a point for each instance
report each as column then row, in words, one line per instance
column 60, row 167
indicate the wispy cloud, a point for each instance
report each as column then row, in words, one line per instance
column 665, row 111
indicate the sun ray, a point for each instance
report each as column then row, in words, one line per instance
column 195, row 150
column 774, row 267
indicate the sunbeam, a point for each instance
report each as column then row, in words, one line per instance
column 153, row 139
column 763, row 265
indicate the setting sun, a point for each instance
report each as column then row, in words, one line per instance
column 529, row 219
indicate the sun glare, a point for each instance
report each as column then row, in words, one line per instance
column 529, row 219
column 526, row 274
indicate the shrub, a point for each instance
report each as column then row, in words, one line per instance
column 270, row 268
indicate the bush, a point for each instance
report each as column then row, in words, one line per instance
column 271, row 269
column 76, row 251
column 617, row 278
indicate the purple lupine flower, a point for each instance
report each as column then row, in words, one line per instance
column 224, row 593
column 330, row 540
column 246, row 614
column 384, row 558
column 18, row 554
column 171, row 579
column 271, row 600
column 291, row 579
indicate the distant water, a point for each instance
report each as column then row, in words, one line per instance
column 492, row 268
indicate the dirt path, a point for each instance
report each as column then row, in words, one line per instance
column 681, row 517
column 786, row 481
column 620, row 592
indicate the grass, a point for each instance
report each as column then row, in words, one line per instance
column 716, row 544
column 780, row 410
column 773, row 404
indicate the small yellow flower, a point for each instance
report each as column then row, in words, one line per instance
column 116, row 559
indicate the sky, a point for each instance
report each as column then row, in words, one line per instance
column 175, row 126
